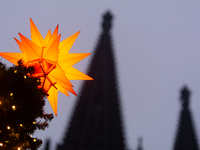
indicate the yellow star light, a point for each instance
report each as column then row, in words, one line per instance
column 51, row 60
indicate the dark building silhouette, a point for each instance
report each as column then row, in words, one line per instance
column 47, row 145
column 96, row 123
column 140, row 144
column 185, row 137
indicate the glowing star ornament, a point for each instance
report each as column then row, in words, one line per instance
column 51, row 60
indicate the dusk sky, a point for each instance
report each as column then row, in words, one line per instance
column 157, row 51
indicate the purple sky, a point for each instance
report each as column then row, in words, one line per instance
column 157, row 49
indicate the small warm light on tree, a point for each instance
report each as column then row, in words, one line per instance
column 15, row 71
column 6, row 141
column 0, row 102
column 18, row 148
column 30, row 135
column 21, row 125
column 11, row 94
column 25, row 77
column 34, row 140
column 13, row 107
column 1, row 144
column 33, row 122
column 8, row 127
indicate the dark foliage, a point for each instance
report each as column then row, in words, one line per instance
column 21, row 108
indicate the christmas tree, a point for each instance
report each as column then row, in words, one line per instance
column 21, row 108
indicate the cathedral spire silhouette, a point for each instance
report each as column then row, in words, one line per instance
column 140, row 140
column 186, row 135
column 96, row 123
column 47, row 145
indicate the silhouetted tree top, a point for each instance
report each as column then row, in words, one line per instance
column 185, row 94
column 107, row 21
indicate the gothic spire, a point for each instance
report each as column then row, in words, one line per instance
column 185, row 94
column 97, row 122
column 47, row 145
column 140, row 144
column 107, row 21
column 186, row 136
